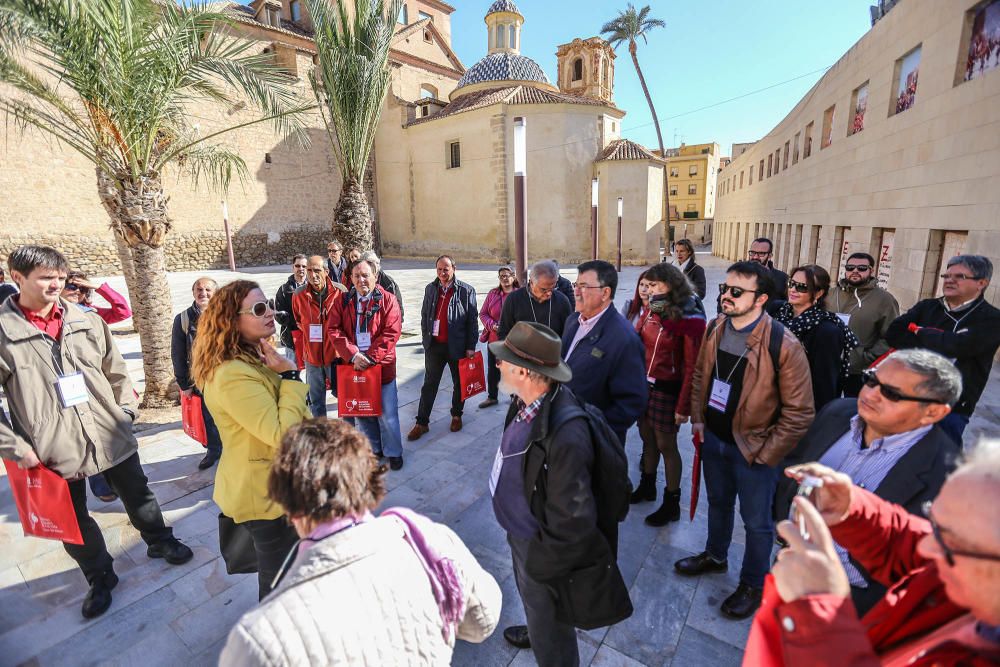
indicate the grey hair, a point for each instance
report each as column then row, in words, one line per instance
column 984, row 458
column 372, row 259
column 544, row 269
column 535, row 376
column 981, row 267
column 942, row 381
column 205, row 279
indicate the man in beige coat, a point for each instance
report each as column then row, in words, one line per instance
column 72, row 406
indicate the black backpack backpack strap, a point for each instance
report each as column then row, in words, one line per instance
column 774, row 345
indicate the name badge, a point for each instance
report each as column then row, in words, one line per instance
column 436, row 328
column 364, row 340
column 495, row 472
column 72, row 390
column 845, row 318
column 315, row 333
column 719, row 397
column 650, row 379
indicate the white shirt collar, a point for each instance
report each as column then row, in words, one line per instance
column 589, row 322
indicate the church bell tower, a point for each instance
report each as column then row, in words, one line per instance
column 587, row 69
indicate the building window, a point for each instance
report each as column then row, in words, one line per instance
column 501, row 34
column 404, row 17
column 425, row 15
column 760, row 176
column 424, row 110
column 693, row 189
column 859, row 104
column 827, row 137
column 741, row 179
column 673, row 190
column 428, row 91
column 788, row 145
column 295, row 9
column 273, row 17
column 983, row 28
column 674, row 172
column 777, row 161
column 454, row 155
column 770, row 162
column 795, row 148
column 905, row 77
column 578, row 69
column 808, row 147
column 751, row 177
column 512, row 36
column 693, row 170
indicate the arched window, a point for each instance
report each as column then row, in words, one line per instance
column 428, row 91
column 513, row 36
column 604, row 73
column 501, row 34
column 578, row 69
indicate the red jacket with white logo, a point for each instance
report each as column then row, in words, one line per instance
column 306, row 311
column 384, row 324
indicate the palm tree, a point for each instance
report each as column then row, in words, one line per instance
column 350, row 83
column 628, row 26
column 113, row 80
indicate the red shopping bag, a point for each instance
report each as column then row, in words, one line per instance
column 43, row 503
column 359, row 393
column 695, row 474
column 192, row 420
column 471, row 374
column 300, row 349
column 764, row 648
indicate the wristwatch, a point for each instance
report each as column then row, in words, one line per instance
column 291, row 375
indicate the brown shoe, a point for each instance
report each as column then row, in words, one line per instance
column 456, row 424
column 417, row 431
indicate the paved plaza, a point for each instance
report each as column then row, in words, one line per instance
column 167, row 615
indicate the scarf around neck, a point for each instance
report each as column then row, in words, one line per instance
column 812, row 318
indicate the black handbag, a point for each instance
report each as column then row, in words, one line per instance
column 236, row 545
column 592, row 597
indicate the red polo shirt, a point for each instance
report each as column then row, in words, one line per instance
column 441, row 313
column 50, row 324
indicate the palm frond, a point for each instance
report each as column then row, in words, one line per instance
column 215, row 164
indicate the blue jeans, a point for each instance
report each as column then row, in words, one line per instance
column 383, row 432
column 728, row 476
column 316, row 377
column 954, row 426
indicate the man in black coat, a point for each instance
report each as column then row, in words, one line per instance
column 960, row 325
column 283, row 307
column 539, row 301
column 762, row 251
column 449, row 329
column 888, row 441
column 543, row 497
column 564, row 286
column 336, row 263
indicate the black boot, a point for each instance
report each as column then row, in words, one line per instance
column 669, row 511
column 646, row 489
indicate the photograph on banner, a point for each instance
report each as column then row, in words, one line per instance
column 984, row 44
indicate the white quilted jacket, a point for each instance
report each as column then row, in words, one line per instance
column 361, row 597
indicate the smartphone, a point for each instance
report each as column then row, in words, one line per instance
column 806, row 487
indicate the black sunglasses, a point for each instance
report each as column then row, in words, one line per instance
column 857, row 267
column 737, row 292
column 71, row 287
column 801, row 288
column 949, row 553
column 891, row 393
column 259, row 309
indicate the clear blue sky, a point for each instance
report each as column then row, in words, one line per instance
column 710, row 51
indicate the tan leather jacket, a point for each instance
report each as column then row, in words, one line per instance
column 772, row 415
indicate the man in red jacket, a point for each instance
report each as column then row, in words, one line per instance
column 364, row 327
column 311, row 306
column 943, row 604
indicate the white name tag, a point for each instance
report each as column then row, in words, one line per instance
column 364, row 340
column 650, row 379
column 72, row 390
column 495, row 472
column 719, row 397
column 845, row 318
column 315, row 333
column 436, row 328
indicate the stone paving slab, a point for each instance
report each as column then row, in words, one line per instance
column 165, row 615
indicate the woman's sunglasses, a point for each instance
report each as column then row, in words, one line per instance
column 891, row 393
column 260, row 309
column 801, row 288
column 737, row 292
column 71, row 287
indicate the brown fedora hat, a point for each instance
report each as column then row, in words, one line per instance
column 535, row 347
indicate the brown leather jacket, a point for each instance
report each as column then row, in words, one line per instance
column 772, row 416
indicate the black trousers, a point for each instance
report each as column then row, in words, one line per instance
column 492, row 375
column 435, row 359
column 272, row 540
column 129, row 481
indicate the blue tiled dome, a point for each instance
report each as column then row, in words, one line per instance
column 503, row 67
column 502, row 6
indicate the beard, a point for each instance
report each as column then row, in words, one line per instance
column 506, row 388
column 734, row 310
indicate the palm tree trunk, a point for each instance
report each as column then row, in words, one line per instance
column 352, row 221
column 138, row 216
column 659, row 138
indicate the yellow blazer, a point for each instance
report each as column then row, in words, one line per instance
column 253, row 408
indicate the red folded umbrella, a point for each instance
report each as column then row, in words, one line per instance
column 695, row 474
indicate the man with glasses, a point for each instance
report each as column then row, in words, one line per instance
column 962, row 326
column 868, row 310
column 887, row 441
column 539, row 301
column 751, row 402
column 943, row 606
column 336, row 263
column 762, row 251
column 311, row 306
column 289, row 333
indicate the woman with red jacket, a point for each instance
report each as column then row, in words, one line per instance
column 364, row 327
column 79, row 290
column 671, row 329
column 489, row 315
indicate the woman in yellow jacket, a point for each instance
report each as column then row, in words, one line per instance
column 254, row 394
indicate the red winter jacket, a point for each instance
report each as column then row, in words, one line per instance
column 883, row 538
column 672, row 351
column 306, row 311
column 385, row 325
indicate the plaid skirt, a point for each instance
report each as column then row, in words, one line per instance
column 660, row 410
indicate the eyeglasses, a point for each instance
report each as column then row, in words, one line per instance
column 259, row 309
column 543, row 290
column 332, row 250
column 300, row 266
column 737, row 292
column 891, row 393
column 72, row 287
column 581, row 286
column 949, row 553
column 801, row 288
column 755, row 253
column 860, row 268
column 958, row 276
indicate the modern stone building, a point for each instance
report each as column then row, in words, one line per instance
column 895, row 152
column 442, row 169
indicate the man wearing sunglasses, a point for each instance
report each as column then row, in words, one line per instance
column 887, row 441
column 289, row 333
column 311, row 305
column 943, row 605
column 962, row 326
column 751, row 402
column 868, row 310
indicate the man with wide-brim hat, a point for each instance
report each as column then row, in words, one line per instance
column 542, row 491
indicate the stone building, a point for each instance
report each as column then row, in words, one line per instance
column 692, row 176
column 875, row 158
column 442, row 168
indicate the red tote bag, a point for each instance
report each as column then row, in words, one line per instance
column 43, row 503
column 472, row 375
column 192, row 420
column 359, row 393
